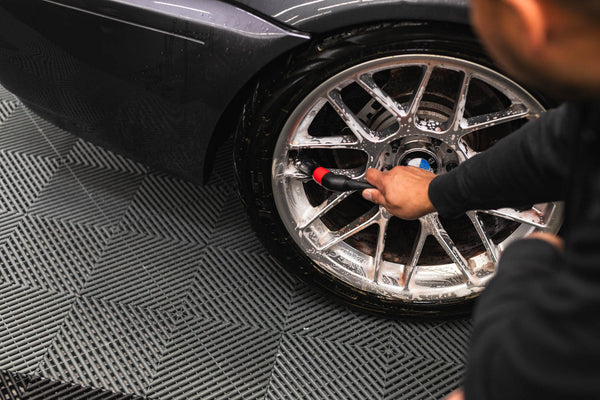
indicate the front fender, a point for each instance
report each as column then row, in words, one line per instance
column 148, row 79
column 319, row 16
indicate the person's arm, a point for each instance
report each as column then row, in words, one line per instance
column 536, row 326
column 526, row 167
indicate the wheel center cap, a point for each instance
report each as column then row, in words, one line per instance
column 420, row 163
column 420, row 157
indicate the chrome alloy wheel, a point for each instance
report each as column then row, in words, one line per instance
column 387, row 112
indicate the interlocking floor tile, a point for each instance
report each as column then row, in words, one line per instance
column 121, row 282
column 7, row 107
column 6, row 95
column 309, row 368
column 211, row 360
column 22, row 178
column 446, row 341
column 47, row 389
column 12, row 385
column 25, row 132
column 410, row 378
column 51, row 254
column 235, row 286
column 146, row 271
column 87, row 195
column 313, row 314
column 170, row 208
column 233, row 231
column 107, row 345
column 9, row 221
column 85, row 153
column 29, row 321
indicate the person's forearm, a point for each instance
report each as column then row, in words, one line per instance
column 526, row 167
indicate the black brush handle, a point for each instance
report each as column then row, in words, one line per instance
column 341, row 183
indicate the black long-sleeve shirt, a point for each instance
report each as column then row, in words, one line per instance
column 537, row 326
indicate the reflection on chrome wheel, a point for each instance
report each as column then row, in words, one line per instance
column 384, row 113
column 389, row 111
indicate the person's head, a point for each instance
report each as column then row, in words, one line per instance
column 552, row 44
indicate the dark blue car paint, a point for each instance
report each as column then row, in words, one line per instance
column 151, row 84
column 153, row 78
column 319, row 16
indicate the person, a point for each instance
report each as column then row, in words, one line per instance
column 536, row 327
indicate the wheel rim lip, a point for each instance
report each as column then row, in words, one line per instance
column 330, row 260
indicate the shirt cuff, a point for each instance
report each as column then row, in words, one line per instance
column 444, row 195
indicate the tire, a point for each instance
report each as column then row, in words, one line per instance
column 276, row 193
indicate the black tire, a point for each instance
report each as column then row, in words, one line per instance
column 280, row 89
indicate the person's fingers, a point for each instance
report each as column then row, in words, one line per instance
column 375, row 177
column 367, row 194
column 374, row 196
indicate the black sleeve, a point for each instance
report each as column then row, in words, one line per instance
column 537, row 326
column 526, row 167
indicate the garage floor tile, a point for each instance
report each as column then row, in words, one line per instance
column 119, row 282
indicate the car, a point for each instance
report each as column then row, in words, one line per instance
column 348, row 85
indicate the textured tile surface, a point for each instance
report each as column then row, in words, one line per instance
column 117, row 282
column 212, row 359
column 310, row 368
column 51, row 254
column 29, row 321
column 108, row 345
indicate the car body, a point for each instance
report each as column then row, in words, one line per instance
column 159, row 81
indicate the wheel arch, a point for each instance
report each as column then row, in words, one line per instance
column 322, row 16
column 226, row 126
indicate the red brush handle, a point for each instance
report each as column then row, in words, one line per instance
column 338, row 183
column 319, row 173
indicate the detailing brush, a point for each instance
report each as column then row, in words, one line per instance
column 329, row 180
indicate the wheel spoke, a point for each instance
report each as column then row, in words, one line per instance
column 364, row 221
column 489, row 245
column 411, row 267
column 442, row 237
column 479, row 122
column 415, row 102
column 461, row 101
column 533, row 216
column 383, row 223
column 369, row 84
column 294, row 173
column 312, row 214
column 464, row 151
column 307, row 141
column 357, row 127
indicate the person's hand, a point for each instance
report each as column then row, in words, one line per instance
column 550, row 238
column 403, row 191
column 458, row 394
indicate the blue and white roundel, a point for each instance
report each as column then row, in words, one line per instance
column 420, row 163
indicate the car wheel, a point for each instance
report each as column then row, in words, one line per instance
column 377, row 97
